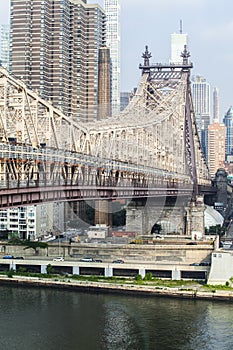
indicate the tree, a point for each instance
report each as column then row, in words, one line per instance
column 13, row 235
column 49, row 269
column 156, row 229
column 216, row 229
column 35, row 245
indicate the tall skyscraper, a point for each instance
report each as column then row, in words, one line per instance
column 5, row 45
column 178, row 41
column 104, row 87
column 216, row 146
column 228, row 121
column 112, row 10
column 216, row 104
column 201, row 102
column 54, row 49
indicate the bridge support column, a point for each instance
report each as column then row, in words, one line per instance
column 108, row 272
column 75, row 270
column 196, row 217
column 176, row 274
column 142, row 272
column 136, row 219
column 43, row 269
column 103, row 212
column 12, row 266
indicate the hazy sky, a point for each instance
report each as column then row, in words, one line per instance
column 209, row 24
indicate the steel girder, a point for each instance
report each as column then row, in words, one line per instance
column 151, row 135
column 30, row 120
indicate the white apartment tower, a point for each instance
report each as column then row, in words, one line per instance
column 178, row 41
column 5, row 45
column 112, row 10
column 201, row 103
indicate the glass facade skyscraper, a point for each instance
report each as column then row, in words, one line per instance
column 228, row 121
column 112, row 10
column 178, row 41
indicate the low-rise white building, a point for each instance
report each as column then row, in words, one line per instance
column 97, row 232
column 20, row 221
column 221, row 267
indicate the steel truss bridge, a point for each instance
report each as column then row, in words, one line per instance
column 150, row 149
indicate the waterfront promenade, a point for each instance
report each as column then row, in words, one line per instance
column 187, row 291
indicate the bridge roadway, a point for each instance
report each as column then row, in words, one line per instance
column 28, row 177
column 174, row 270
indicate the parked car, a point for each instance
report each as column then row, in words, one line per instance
column 191, row 243
column 59, row 258
column 97, row 260
column 8, row 257
column 159, row 237
column 205, row 263
column 118, row 261
column 87, row 259
column 195, row 264
column 19, row 258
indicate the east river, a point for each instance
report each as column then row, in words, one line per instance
column 48, row 319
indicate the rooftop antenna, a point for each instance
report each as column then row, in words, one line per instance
column 181, row 27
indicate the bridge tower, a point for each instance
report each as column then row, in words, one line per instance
column 165, row 78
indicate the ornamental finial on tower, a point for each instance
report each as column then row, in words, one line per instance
column 146, row 55
column 185, row 54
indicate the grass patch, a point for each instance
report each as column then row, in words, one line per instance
column 151, row 281
column 213, row 288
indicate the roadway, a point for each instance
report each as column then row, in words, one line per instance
column 104, row 264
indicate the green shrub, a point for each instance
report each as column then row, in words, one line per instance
column 10, row 273
column 138, row 278
column 148, row 276
column 22, row 270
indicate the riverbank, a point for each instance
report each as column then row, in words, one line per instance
column 132, row 289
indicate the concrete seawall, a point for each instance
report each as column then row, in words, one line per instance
column 87, row 286
column 163, row 251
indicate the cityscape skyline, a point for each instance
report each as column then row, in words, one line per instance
column 208, row 27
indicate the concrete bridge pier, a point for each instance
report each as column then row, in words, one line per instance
column 196, row 217
column 136, row 219
column 175, row 217
column 141, row 218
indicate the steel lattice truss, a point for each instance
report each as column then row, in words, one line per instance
column 156, row 131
